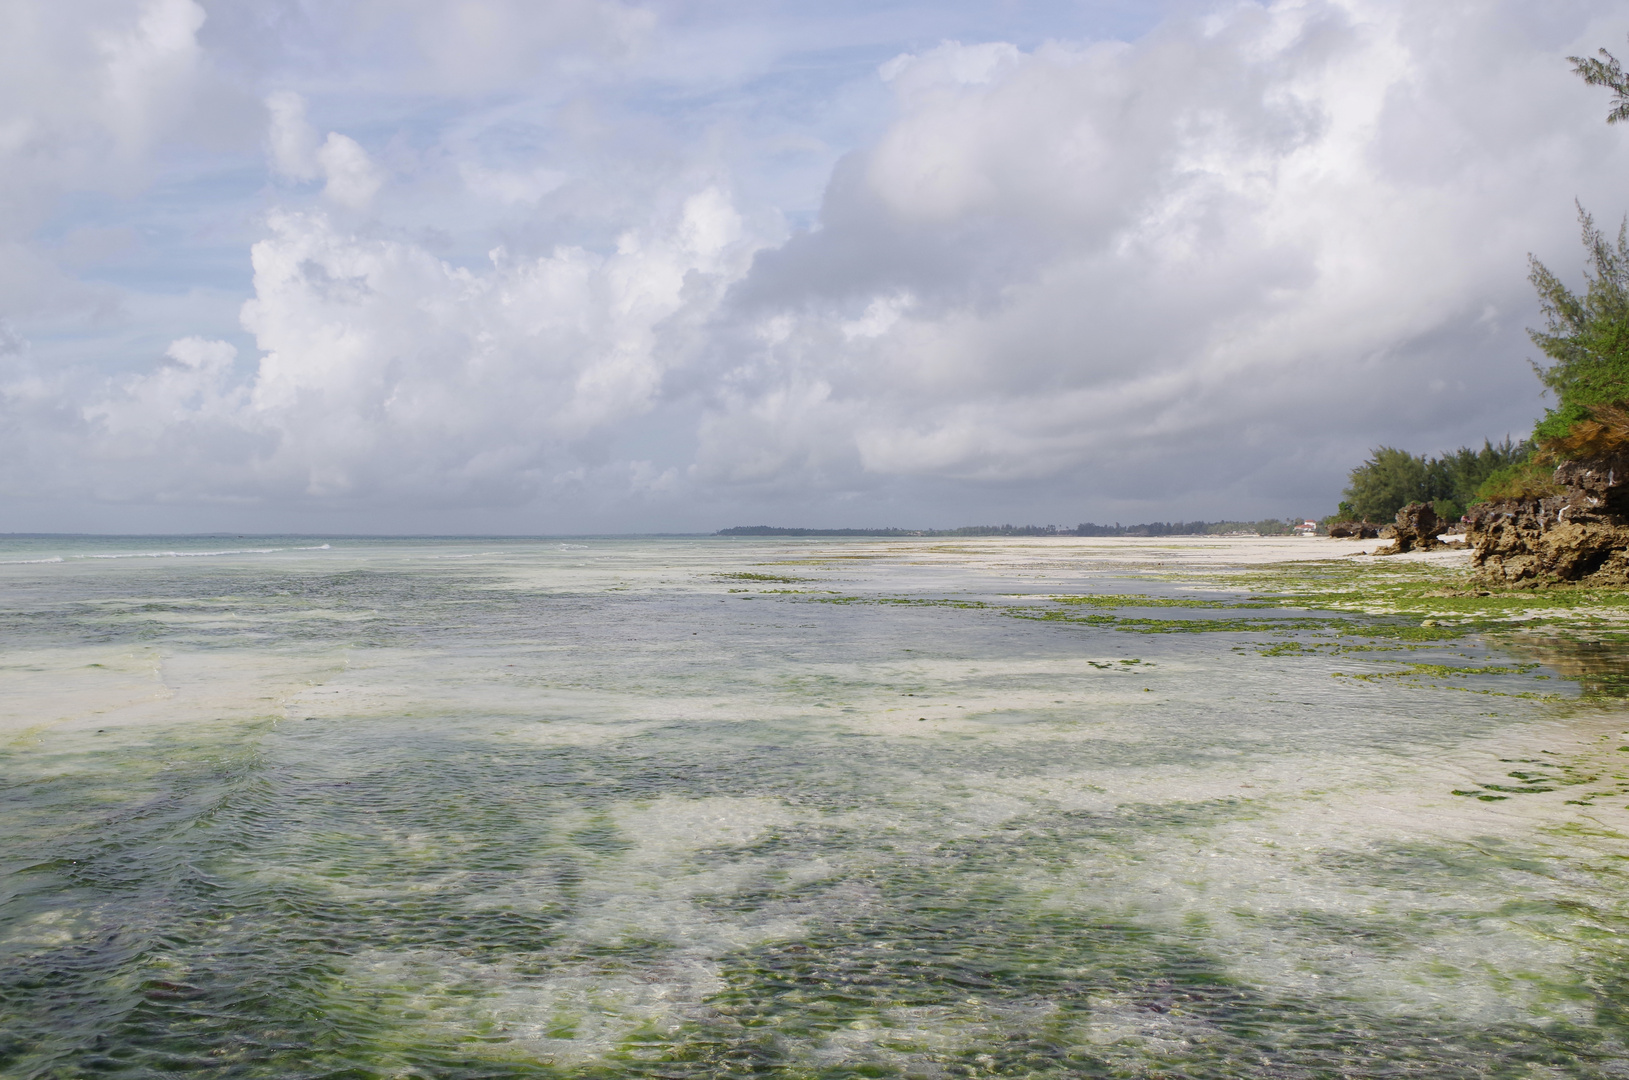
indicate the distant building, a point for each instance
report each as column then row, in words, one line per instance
column 1306, row 528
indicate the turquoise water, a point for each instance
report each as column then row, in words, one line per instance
column 331, row 807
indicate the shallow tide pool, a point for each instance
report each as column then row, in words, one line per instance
column 706, row 807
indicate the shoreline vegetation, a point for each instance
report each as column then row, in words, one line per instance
column 1451, row 484
column 1549, row 508
column 1555, row 506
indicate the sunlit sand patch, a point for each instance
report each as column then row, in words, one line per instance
column 668, row 826
column 684, row 851
column 42, row 688
column 920, row 1042
column 80, row 690
column 49, row 929
column 1315, row 895
column 1136, row 1025
column 569, row 1011
column 1303, row 919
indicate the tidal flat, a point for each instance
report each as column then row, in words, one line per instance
column 328, row 807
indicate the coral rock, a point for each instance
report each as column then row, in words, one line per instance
column 1353, row 530
column 1416, row 530
column 1581, row 534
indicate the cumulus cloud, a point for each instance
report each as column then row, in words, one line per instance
column 82, row 85
column 194, row 385
column 387, row 373
column 1197, row 273
column 87, row 91
column 1162, row 267
column 147, row 63
column 352, row 178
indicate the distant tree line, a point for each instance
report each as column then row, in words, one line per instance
column 774, row 530
column 965, row 530
column 1267, row 527
column 1000, row 530
column 1153, row 528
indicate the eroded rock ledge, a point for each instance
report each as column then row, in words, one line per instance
column 1416, row 529
column 1580, row 534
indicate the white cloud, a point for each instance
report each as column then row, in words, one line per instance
column 387, row 373
column 1123, row 257
column 353, row 179
column 195, row 385
column 88, row 90
column 1199, row 272
column 153, row 60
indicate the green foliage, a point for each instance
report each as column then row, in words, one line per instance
column 1458, row 477
column 1392, row 478
column 1606, row 72
column 1344, row 512
column 1266, row 527
column 1527, row 479
column 1586, row 336
column 1388, row 481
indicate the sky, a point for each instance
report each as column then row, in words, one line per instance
column 591, row 266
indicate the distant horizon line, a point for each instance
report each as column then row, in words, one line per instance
column 1088, row 529
column 233, row 535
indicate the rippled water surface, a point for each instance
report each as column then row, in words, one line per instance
column 693, row 808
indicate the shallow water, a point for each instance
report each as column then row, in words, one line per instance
column 328, row 807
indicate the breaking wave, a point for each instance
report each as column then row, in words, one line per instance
column 183, row 554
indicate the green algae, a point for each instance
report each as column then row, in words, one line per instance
column 1420, row 589
column 1412, row 670
column 1135, row 625
column 390, row 896
column 1143, row 600
column 780, row 579
column 907, row 601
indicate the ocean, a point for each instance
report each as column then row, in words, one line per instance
column 698, row 807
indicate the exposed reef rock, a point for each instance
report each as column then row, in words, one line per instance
column 1353, row 530
column 1580, row 534
column 1416, row 530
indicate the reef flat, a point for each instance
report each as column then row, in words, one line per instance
column 806, row 808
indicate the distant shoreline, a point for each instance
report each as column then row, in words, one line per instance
column 1267, row 527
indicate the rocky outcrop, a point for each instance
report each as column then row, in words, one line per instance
column 1353, row 530
column 1598, row 486
column 1580, row 534
column 1416, row 530
column 1529, row 542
